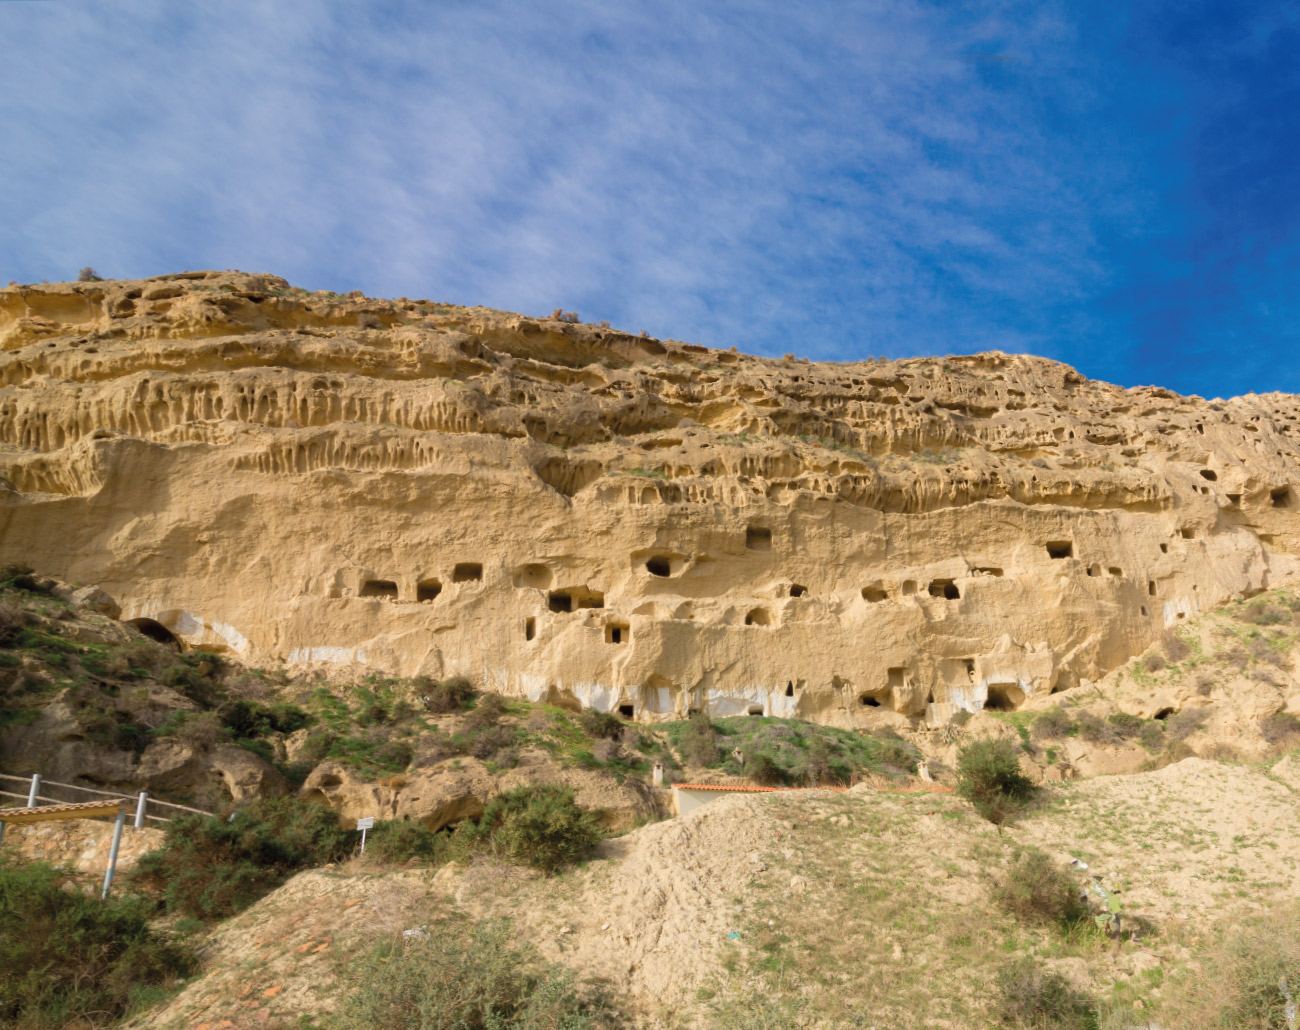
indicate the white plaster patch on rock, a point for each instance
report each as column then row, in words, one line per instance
column 330, row 655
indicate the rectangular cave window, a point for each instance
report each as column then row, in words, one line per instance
column 379, row 588
column 755, row 709
column 868, row 701
column 1187, row 533
column 530, row 628
column 1164, row 548
column 1151, row 587
column 796, row 590
column 626, row 711
column 874, row 595
column 559, row 602
column 1060, row 549
column 617, row 633
column 944, row 588
column 895, row 677
column 1234, row 500
column 758, row 617
column 1115, row 571
column 1281, row 497
column 758, row 539
column 590, row 599
column 789, row 688
column 909, row 587
column 428, row 589
column 467, row 572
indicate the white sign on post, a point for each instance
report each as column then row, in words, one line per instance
column 363, row 825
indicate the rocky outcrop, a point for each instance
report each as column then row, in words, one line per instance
column 570, row 512
column 460, row 788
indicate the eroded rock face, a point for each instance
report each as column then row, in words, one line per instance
column 569, row 512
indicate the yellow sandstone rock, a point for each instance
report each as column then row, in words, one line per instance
column 569, row 512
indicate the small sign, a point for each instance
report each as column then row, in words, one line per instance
column 368, row 823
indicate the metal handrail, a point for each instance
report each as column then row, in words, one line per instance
column 102, row 793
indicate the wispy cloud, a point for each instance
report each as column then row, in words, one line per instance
column 832, row 179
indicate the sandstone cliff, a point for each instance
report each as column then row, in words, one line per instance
column 565, row 511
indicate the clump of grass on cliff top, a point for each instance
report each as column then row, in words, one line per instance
column 72, row 960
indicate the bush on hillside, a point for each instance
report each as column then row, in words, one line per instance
column 989, row 776
column 398, row 840
column 538, row 825
column 1245, row 977
column 16, row 575
column 600, row 725
column 1035, row 889
column 1033, row 998
column 252, row 719
column 1053, row 724
column 72, row 960
column 1281, row 729
column 698, row 743
column 450, row 695
column 210, row 868
column 464, row 978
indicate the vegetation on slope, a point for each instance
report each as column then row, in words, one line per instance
column 72, row 960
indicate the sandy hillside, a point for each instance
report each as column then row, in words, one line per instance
column 841, row 905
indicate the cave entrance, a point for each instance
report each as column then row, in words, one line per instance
column 155, row 630
column 1060, row 549
column 758, row 617
column 1004, row 697
column 755, row 709
column 379, row 588
column 758, row 539
column 467, row 572
column 627, row 711
column 428, row 589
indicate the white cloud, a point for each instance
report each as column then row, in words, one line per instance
column 845, row 177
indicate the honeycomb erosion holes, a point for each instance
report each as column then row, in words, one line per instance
column 558, row 509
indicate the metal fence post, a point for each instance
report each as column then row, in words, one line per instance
column 36, row 786
column 139, row 810
column 112, row 854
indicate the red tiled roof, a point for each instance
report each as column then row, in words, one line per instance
column 740, row 788
column 744, row 788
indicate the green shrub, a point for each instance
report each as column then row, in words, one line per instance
column 600, row 725
column 1053, row 724
column 763, row 769
column 1126, row 725
column 537, row 825
column 251, row 719
column 488, row 710
column 1097, row 731
column 1182, row 725
column 490, row 740
column 894, row 753
column 989, row 776
column 449, row 695
column 1034, row 998
column 1035, row 889
column 464, row 978
column 197, row 676
column 698, row 743
column 397, row 840
column 210, row 868
column 1281, row 729
column 1242, row 976
column 70, row 959
column 16, row 575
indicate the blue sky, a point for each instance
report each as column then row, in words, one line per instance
column 1112, row 185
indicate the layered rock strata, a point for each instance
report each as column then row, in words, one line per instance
column 566, row 511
